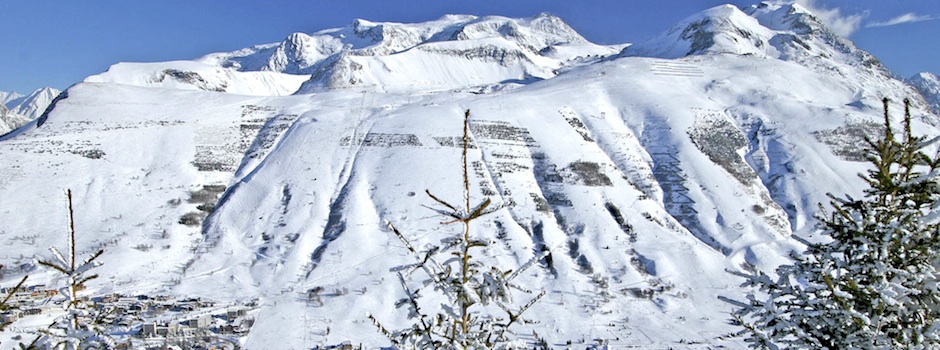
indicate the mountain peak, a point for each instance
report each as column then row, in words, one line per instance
column 299, row 53
column 784, row 31
column 359, row 23
column 366, row 53
column 928, row 85
column 718, row 30
column 790, row 17
column 8, row 96
column 16, row 110
column 926, row 76
column 646, row 180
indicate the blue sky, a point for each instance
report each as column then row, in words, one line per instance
column 58, row 43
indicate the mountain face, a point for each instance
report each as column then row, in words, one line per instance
column 929, row 87
column 452, row 52
column 782, row 31
column 16, row 110
column 648, row 171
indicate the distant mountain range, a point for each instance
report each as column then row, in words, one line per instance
column 929, row 86
column 16, row 110
column 647, row 170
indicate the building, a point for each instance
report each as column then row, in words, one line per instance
column 201, row 322
column 10, row 316
column 233, row 314
column 152, row 329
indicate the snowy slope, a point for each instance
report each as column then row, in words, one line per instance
column 929, row 86
column 34, row 104
column 10, row 120
column 648, row 172
column 456, row 51
column 769, row 30
column 8, row 96
column 16, row 110
column 198, row 76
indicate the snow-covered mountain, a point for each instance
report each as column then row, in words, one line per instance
column 785, row 32
column 452, row 52
column 647, row 170
column 16, row 110
column 929, row 86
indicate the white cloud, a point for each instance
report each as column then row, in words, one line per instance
column 841, row 24
column 905, row 18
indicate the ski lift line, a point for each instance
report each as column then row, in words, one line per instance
column 675, row 69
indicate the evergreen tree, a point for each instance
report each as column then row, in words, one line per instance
column 470, row 288
column 874, row 283
column 79, row 329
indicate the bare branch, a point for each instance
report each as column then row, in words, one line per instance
column 13, row 291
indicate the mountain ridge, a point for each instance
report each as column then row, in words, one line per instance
column 928, row 85
column 782, row 31
column 17, row 110
column 269, row 173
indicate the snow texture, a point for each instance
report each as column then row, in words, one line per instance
column 647, row 171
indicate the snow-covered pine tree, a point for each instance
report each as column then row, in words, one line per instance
column 874, row 284
column 71, row 332
column 470, row 288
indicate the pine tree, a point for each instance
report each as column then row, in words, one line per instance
column 71, row 332
column 468, row 285
column 874, row 284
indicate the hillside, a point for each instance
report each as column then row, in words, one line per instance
column 648, row 170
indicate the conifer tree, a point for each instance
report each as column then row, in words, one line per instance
column 874, row 283
column 469, row 286
column 75, row 333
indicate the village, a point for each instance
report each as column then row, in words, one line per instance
column 138, row 321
